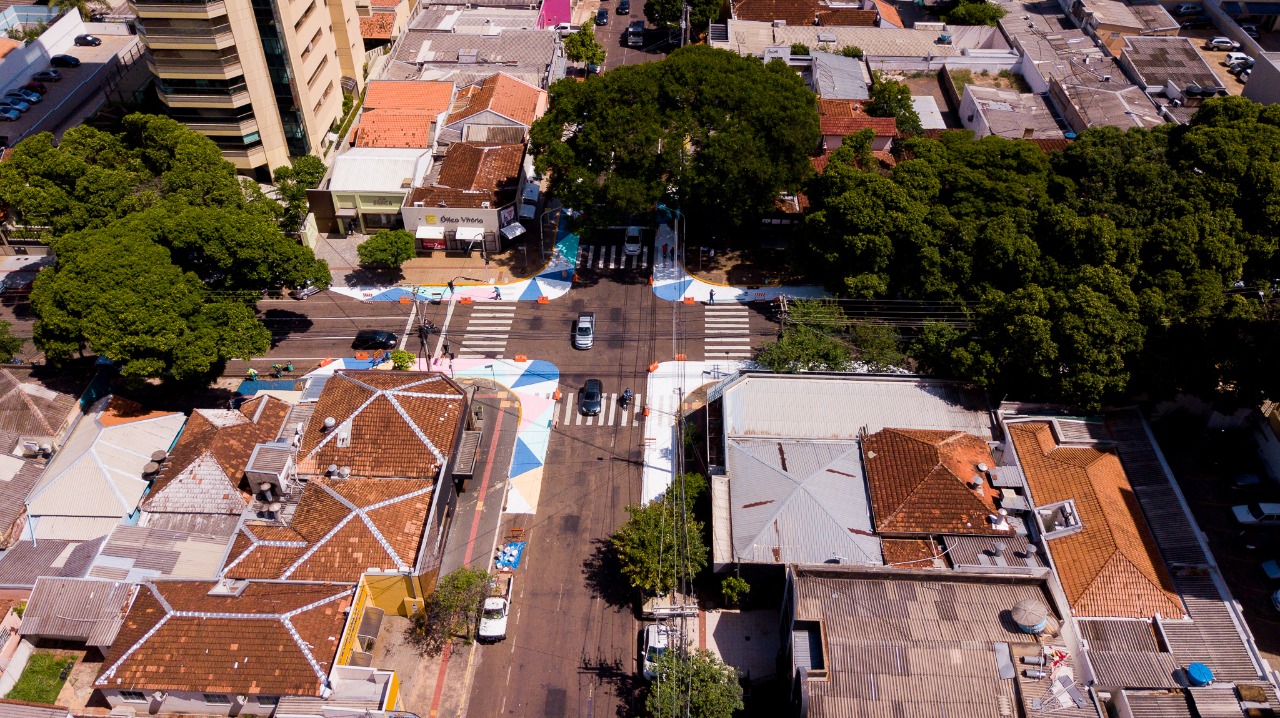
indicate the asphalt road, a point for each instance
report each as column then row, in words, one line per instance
column 613, row 38
column 325, row 324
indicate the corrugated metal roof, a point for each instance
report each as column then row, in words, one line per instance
column 206, row 524
column 77, row 609
column 1211, row 637
column 980, row 551
column 838, row 407
column 142, row 553
column 25, row 561
column 1155, row 705
column 98, row 471
column 1134, row 669
column 799, row 502
column 899, row 643
column 21, row 709
column 71, row 528
column 1216, row 702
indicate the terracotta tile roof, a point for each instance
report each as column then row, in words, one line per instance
column 273, row 639
column 794, row 12
column 1048, row 145
column 472, row 173
column 909, row 553
column 205, row 470
column 388, row 424
column 377, row 26
column 34, row 407
column 918, row 482
column 883, row 126
column 407, row 129
column 384, row 3
column 847, row 17
column 1112, row 566
column 340, row 528
column 8, row 45
column 889, row 13
column 432, row 97
column 503, row 94
column 839, row 108
column 821, row 161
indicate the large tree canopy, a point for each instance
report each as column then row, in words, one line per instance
column 161, row 249
column 1124, row 263
column 722, row 133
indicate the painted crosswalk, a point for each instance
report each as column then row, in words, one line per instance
column 611, row 256
column 726, row 331
column 487, row 330
column 611, row 413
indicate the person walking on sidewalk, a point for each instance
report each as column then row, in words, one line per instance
column 665, row 249
column 713, row 296
column 497, row 293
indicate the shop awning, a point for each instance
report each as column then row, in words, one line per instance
column 470, row 234
column 430, row 231
column 529, row 192
column 511, row 231
column 527, row 210
column 348, row 213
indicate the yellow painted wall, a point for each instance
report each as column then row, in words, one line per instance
column 393, row 694
column 349, row 637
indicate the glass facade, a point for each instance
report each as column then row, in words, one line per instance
column 281, row 78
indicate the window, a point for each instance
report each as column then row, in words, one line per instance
column 268, row 700
column 217, row 699
column 133, row 696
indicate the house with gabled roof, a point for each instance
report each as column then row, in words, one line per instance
column 471, row 201
column 499, row 101
column 97, row 477
column 239, row 647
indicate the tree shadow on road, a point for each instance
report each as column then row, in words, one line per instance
column 282, row 323
column 603, row 573
column 627, row 684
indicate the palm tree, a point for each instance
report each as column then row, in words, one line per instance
column 86, row 8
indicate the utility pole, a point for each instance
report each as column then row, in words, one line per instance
column 684, row 25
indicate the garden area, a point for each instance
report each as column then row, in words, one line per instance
column 42, row 679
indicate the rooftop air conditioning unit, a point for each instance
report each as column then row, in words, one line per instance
column 484, row 205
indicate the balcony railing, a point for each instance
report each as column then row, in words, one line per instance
column 194, row 36
column 224, row 66
column 228, row 129
column 161, row 8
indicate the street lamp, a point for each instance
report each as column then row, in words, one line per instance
column 493, row 374
column 542, row 226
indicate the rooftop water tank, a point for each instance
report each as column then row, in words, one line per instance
column 1199, row 675
column 1031, row 616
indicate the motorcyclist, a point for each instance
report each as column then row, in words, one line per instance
column 626, row 397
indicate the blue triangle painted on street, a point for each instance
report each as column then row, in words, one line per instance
column 523, row 459
column 537, row 371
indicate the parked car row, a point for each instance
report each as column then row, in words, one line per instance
column 17, row 101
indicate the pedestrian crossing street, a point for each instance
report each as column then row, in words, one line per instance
column 611, row 414
column 487, row 331
column 727, row 331
column 610, row 256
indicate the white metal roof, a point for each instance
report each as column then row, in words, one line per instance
column 98, row 473
column 378, row 169
column 837, row 406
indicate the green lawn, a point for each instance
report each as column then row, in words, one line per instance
column 41, row 680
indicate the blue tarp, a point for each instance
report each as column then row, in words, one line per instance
column 249, row 387
column 509, row 555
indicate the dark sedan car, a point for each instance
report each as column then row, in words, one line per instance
column 47, row 76
column 602, row 16
column 374, row 339
column 624, row 7
column 88, row 41
column 64, row 61
column 590, row 398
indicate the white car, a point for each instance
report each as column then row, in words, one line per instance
column 493, row 614
column 631, row 243
column 1263, row 514
column 657, row 639
column 1237, row 58
column 1250, row 30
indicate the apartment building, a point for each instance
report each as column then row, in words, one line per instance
column 263, row 79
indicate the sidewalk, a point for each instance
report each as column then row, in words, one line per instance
column 664, row 397
column 429, row 277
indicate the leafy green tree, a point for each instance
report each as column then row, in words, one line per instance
column 975, row 12
column 86, row 8
column 581, row 46
column 402, row 360
column 662, row 545
column 851, row 51
column 799, row 48
column 9, row 344
column 720, row 134
column 665, row 14
column 292, row 183
column 802, row 348
column 387, row 250
column 452, row 611
column 890, row 98
column 695, row 684
column 120, row 296
column 734, row 589
column 876, row 345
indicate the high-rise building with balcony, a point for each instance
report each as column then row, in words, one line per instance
column 263, row 79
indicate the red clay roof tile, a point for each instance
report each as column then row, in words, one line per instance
column 431, row 97
column 918, row 482
column 408, row 129
column 1111, row 567
column 377, row 26
column 501, row 93
column 178, row 637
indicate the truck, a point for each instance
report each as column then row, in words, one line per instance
column 493, row 614
column 635, row 34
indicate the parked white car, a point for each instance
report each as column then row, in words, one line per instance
column 1262, row 514
column 1237, row 58
column 657, row 639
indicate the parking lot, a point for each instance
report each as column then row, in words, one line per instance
column 1211, row 467
column 78, row 87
